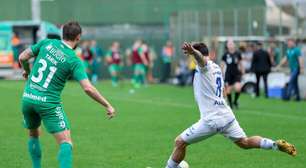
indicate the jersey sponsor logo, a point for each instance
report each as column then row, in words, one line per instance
column 60, row 116
column 35, row 97
column 219, row 103
column 56, row 53
column 51, row 59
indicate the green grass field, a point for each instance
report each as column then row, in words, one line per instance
column 142, row 134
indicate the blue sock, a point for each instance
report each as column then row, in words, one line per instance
column 65, row 155
column 35, row 152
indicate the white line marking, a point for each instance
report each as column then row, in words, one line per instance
column 180, row 105
column 174, row 104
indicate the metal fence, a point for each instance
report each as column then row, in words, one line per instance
column 253, row 23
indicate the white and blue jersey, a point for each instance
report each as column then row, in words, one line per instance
column 216, row 115
column 208, row 88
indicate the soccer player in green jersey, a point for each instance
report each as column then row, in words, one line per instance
column 55, row 62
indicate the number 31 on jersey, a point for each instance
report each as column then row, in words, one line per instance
column 41, row 72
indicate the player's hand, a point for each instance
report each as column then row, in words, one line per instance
column 110, row 112
column 187, row 48
column 25, row 74
column 276, row 69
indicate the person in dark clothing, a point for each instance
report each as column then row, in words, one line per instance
column 261, row 66
column 232, row 60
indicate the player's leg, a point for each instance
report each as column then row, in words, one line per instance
column 228, row 89
column 197, row 132
column 56, row 123
column 114, row 75
column 238, row 136
column 237, row 93
column 265, row 79
column 296, row 86
column 257, row 84
column 95, row 70
column 143, row 72
column 291, row 85
column 256, row 142
column 32, row 122
column 134, row 77
column 137, row 76
column 266, row 143
column 178, row 154
column 34, row 147
column 65, row 152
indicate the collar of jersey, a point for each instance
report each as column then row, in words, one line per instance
column 66, row 45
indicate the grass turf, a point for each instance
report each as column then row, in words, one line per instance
column 142, row 134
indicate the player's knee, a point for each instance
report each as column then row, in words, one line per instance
column 63, row 137
column 34, row 132
column 67, row 142
column 243, row 143
column 237, row 87
column 180, row 143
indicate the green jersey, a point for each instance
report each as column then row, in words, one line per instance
column 55, row 63
column 293, row 55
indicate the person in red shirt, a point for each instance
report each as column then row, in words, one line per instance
column 87, row 57
column 139, row 62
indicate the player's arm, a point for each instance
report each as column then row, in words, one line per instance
column 222, row 66
column 189, row 50
column 24, row 58
column 108, row 57
column 27, row 54
column 91, row 91
column 282, row 62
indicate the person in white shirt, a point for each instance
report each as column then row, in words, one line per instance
column 216, row 115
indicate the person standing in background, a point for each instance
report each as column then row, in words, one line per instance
column 261, row 66
column 294, row 59
column 192, row 67
column 16, row 46
column 167, row 57
column 145, row 53
column 87, row 57
column 247, row 55
column 113, row 58
column 234, row 70
column 139, row 62
column 97, row 55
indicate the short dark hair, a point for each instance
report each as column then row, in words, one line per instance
column 71, row 30
column 202, row 48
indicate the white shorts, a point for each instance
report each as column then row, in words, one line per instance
column 204, row 129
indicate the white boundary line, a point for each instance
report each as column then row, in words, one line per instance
column 179, row 105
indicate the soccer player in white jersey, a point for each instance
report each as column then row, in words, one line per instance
column 216, row 115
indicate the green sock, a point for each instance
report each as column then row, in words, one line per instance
column 139, row 79
column 134, row 79
column 114, row 80
column 35, row 152
column 65, row 155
